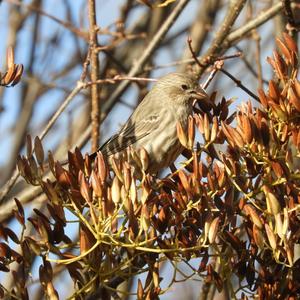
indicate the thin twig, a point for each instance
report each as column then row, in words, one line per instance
column 118, row 78
column 95, row 90
column 256, row 37
column 217, row 66
column 239, row 84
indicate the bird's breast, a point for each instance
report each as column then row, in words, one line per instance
column 162, row 144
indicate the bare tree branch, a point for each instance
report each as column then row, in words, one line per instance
column 95, row 90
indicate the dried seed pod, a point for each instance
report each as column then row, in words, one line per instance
column 294, row 99
column 195, row 165
column 28, row 145
column 284, row 133
column 271, row 62
column 264, row 132
column 21, row 166
column 297, row 87
column 276, row 167
column 263, row 98
column 271, row 236
column 33, row 167
column 86, row 239
column 227, row 133
column 184, row 180
column 199, row 123
column 228, row 165
column 145, row 218
column 273, row 91
column 203, row 170
column 144, row 158
column 292, row 46
column 247, row 129
column 116, row 190
column 10, row 57
column 19, row 213
column 18, row 75
column 191, row 133
column 237, row 138
column 206, row 128
column 9, row 76
column 213, row 230
column 289, row 253
column 298, row 140
column 224, row 110
column 84, row 188
column 214, row 129
column 284, row 50
column 51, row 193
column 206, row 227
column 273, row 205
column 145, row 191
column 211, row 182
column 181, row 135
column 62, row 175
column 117, row 168
column 14, row 71
column 140, row 290
column 51, row 292
column 126, row 175
column 285, row 224
column 51, row 162
column 124, row 198
column 133, row 192
column 251, row 212
column 222, row 179
column 78, row 159
column 278, row 226
column 39, row 151
column 280, row 66
column 87, row 165
column 102, row 170
column 96, row 184
column 258, row 236
column 155, row 275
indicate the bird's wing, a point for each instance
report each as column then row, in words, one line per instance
column 129, row 135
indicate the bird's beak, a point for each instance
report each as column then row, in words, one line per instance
column 200, row 95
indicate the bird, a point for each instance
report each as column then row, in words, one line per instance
column 152, row 125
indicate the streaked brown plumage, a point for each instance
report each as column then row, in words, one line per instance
column 153, row 123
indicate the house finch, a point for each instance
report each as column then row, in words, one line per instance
column 152, row 125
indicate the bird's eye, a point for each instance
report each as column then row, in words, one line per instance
column 184, row 87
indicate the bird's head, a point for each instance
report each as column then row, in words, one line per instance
column 181, row 87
